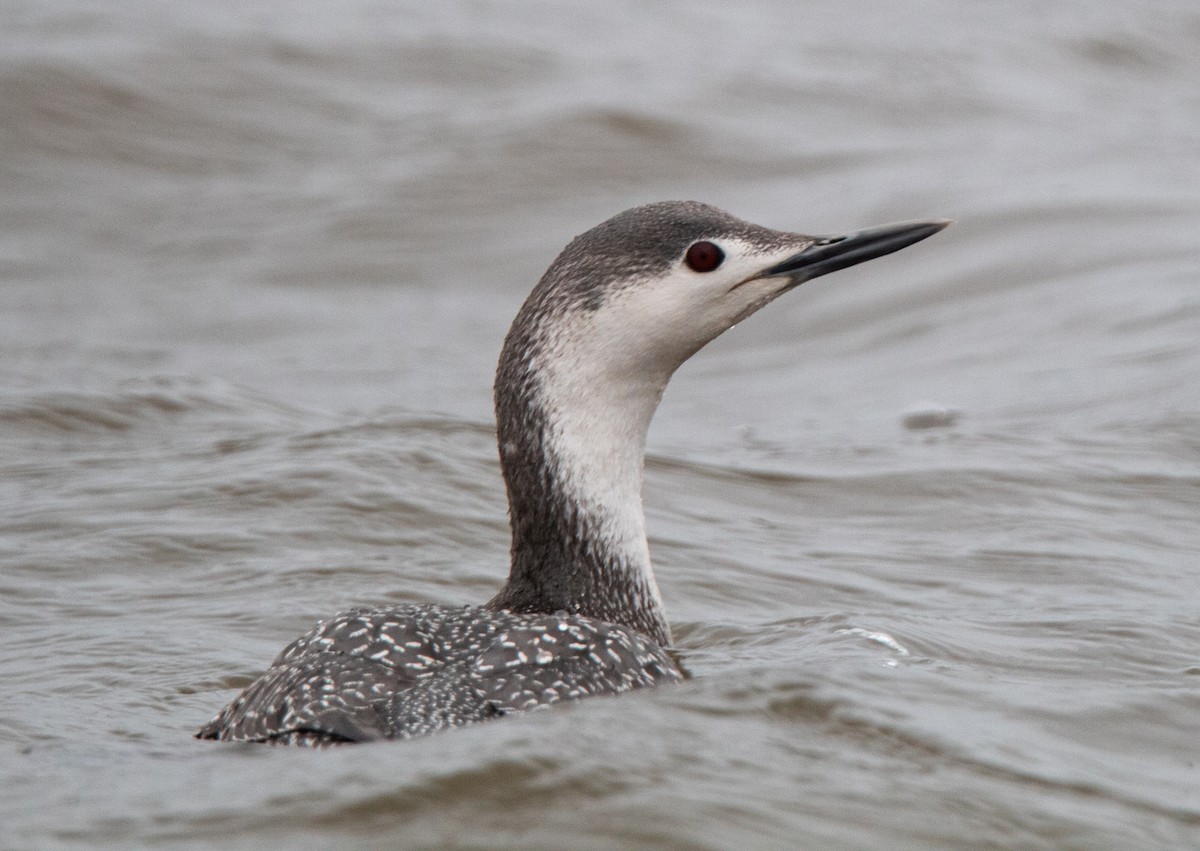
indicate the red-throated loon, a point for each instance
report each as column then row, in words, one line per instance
column 581, row 373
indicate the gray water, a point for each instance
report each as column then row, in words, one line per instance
column 927, row 529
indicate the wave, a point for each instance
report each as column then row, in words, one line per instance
column 132, row 404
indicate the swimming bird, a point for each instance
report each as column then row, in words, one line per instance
column 581, row 372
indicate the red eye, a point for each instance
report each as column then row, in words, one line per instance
column 703, row 256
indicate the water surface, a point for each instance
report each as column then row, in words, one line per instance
column 926, row 529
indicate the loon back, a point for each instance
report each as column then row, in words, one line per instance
column 581, row 373
column 411, row 670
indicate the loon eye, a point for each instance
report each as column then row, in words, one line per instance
column 703, row 256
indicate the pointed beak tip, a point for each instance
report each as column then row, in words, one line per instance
column 928, row 226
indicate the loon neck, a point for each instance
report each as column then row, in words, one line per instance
column 572, row 439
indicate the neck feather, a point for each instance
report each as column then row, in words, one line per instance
column 572, row 439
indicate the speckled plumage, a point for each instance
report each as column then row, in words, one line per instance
column 411, row 670
column 581, row 373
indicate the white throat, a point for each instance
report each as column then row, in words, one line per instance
column 597, row 424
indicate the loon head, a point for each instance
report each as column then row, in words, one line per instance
column 642, row 292
column 584, row 367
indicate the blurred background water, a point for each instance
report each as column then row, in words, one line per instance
column 927, row 529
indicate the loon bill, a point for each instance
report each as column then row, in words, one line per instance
column 581, row 373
